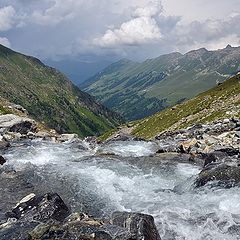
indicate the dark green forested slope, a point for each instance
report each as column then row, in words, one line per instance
column 50, row 97
column 137, row 90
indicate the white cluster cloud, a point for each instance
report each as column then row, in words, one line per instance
column 142, row 28
column 7, row 15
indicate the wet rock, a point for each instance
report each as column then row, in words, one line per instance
column 229, row 151
column 209, row 158
column 81, row 226
column 225, row 175
column 141, row 226
column 40, row 208
column 124, row 226
column 2, row 160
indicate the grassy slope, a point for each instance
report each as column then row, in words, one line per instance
column 137, row 90
column 4, row 107
column 50, row 97
column 219, row 102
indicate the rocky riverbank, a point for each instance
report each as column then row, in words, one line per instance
column 217, row 145
column 213, row 148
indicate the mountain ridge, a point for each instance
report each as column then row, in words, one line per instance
column 138, row 90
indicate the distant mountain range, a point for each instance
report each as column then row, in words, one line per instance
column 78, row 70
column 137, row 90
column 50, row 97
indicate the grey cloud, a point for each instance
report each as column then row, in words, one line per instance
column 211, row 33
column 7, row 18
column 125, row 28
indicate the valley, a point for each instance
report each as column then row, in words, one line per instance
column 137, row 90
column 72, row 169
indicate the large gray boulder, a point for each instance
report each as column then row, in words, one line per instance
column 14, row 123
column 40, row 208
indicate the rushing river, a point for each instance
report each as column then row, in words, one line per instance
column 99, row 182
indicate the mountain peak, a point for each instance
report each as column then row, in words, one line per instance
column 228, row 46
column 196, row 53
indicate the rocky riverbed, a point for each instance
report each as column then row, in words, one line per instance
column 67, row 188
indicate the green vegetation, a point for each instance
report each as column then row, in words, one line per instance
column 108, row 134
column 50, row 97
column 137, row 90
column 4, row 110
column 217, row 103
column 8, row 108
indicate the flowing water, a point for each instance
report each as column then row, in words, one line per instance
column 98, row 182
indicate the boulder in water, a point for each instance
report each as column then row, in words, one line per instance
column 141, row 226
column 225, row 175
column 40, row 208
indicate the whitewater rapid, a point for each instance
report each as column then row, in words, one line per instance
column 127, row 176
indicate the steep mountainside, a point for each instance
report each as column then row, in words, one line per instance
column 220, row 102
column 137, row 90
column 50, row 97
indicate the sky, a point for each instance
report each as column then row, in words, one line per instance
column 111, row 29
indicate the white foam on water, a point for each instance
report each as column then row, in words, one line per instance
column 231, row 205
column 188, row 170
column 130, row 148
column 42, row 153
column 192, row 215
